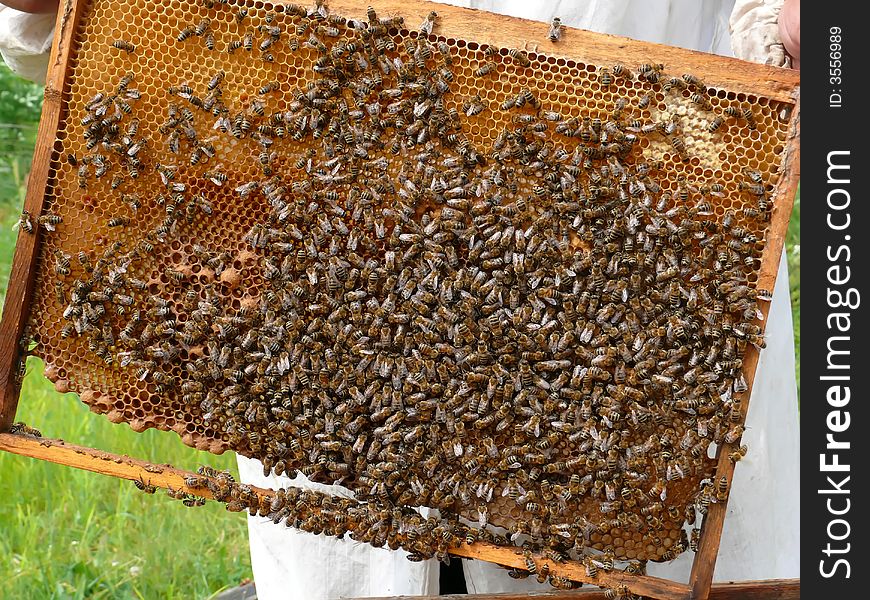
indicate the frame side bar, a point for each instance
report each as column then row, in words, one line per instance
column 704, row 564
column 22, row 276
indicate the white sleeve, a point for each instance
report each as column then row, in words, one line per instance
column 291, row 564
column 25, row 42
column 755, row 32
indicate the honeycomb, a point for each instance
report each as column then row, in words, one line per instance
column 512, row 287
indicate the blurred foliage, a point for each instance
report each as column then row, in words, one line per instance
column 71, row 534
column 793, row 254
column 20, row 100
column 20, row 107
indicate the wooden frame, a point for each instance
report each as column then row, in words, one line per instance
column 751, row 79
column 765, row 589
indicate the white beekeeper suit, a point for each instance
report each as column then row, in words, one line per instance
column 762, row 529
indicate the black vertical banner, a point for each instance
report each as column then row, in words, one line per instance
column 835, row 257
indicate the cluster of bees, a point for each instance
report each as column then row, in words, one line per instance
column 540, row 325
column 393, row 527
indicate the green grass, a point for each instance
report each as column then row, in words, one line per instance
column 74, row 534
column 70, row 534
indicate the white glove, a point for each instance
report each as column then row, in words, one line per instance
column 25, row 42
column 755, row 32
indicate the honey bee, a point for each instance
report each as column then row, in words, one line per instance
column 83, row 173
column 738, row 454
column 754, row 175
column 124, row 45
column 650, row 71
column 67, row 330
column 555, row 31
column 751, row 212
column 674, row 83
column 185, row 33
column 715, row 124
column 756, row 189
column 272, row 31
column 695, row 539
column 694, row 81
column 174, row 274
column 722, row 489
column 24, row 222
column 132, row 200
column 62, row 263
column 591, row 567
column 745, row 114
column 645, row 100
column 473, row 106
column 144, row 487
column 216, row 177
column 202, row 26
column 123, row 106
column 146, row 246
column 488, row 51
column 509, row 103
column 272, row 86
column 216, row 80
column 266, row 44
column 733, row 434
column 428, row 24
column 190, row 500
column 701, row 101
column 240, row 125
column 485, row 69
column 527, row 97
column 605, row 77
column 679, row 146
column 125, row 81
column 519, row 57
